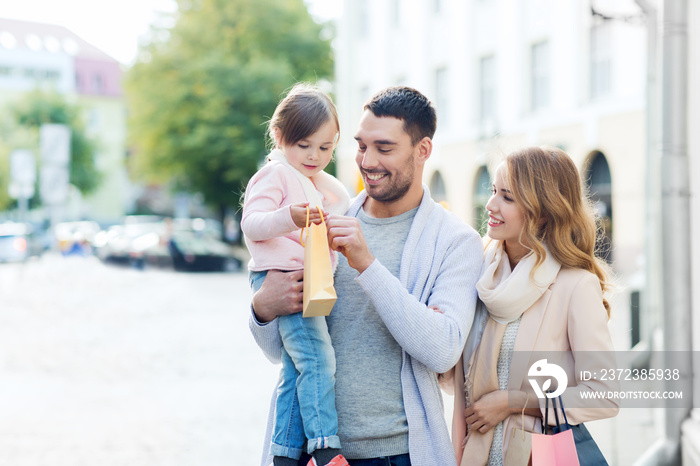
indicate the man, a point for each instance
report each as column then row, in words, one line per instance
column 405, row 281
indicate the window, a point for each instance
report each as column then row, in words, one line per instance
column 438, row 191
column 7, row 40
column 441, row 95
column 363, row 17
column 396, row 12
column 601, row 62
column 539, row 75
column 482, row 192
column 365, row 93
column 487, row 89
column 98, row 84
column 599, row 184
column 93, row 120
column 635, row 318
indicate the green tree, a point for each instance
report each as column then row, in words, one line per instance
column 5, row 200
column 200, row 95
column 39, row 107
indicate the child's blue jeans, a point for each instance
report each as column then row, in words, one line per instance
column 305, row 407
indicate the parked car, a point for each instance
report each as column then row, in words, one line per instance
column 76, row 237
column 131, row 243
column 18, row 242
column 183, row 244
column 196, row 252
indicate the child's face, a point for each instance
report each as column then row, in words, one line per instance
column 311, row 154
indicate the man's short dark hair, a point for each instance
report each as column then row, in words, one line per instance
column 407, row 104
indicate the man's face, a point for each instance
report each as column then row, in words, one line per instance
column 386, row 157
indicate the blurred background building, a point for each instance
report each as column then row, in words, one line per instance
column 36, row 55
column 595, row 78
column 503, row 75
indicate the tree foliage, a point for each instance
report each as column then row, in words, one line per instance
column 39, row 107
column 5, row 200
column 200, row 95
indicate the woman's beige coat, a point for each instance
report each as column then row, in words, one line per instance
column 568, row 319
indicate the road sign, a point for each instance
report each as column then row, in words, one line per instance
column 54, row 141
column 22, row 174
column 22, row 166
column 20, row 191
column 55, row 144
column 54, row 185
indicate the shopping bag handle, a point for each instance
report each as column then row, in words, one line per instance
column 301, row 236
column 556, row 414
column 522, row 415
column 566, row 421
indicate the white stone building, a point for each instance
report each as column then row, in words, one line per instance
column 509, row 73
column 691, row 427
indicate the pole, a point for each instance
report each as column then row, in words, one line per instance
column 23, row 204
column 675, row 210
column 668, row 203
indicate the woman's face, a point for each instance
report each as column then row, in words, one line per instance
column 506, row 219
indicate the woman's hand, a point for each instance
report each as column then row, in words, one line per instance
column 488, row 411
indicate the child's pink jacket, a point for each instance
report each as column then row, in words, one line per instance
column 272, row 238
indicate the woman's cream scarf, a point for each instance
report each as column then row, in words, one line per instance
column 507, row 295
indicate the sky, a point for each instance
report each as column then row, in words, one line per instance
column 115, row 27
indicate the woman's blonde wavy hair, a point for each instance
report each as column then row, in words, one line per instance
column 545, row 183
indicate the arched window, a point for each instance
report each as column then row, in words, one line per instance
column 481, row 194
column 599, row 185
column 437, row 189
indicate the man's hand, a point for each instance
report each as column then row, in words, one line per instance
column 280, row 294
column 346, row 237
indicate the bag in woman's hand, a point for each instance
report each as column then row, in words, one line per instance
column 567, row 445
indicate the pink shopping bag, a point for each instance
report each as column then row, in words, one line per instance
column 554, row 450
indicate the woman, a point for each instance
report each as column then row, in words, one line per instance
column 542, row 290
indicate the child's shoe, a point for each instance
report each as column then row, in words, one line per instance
column 337, row 461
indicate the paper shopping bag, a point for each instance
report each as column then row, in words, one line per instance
column 554, row 450
column 519, row 452
column 558, row 449
column 319, row 294
column 519, row 448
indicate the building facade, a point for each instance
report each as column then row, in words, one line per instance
column 691, row 427
column 37, row 55
column 504, row 74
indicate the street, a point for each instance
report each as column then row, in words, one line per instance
column 109, row 366
column 101, row 365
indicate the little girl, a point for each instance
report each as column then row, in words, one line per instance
column 304, row 129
